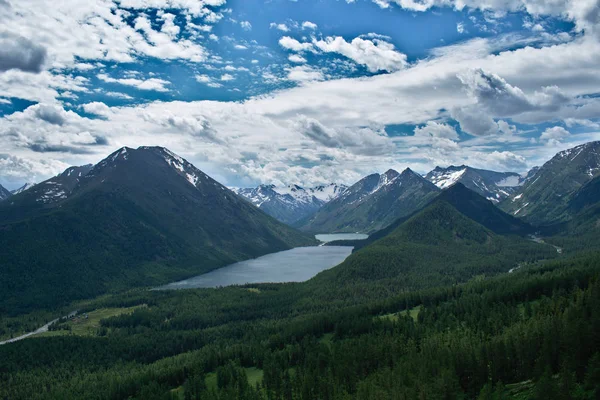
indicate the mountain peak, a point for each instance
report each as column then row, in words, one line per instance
column 23, row 188
column 482, row 210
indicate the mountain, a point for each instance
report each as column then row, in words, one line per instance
column 43, row 195
column 468, row 203
column 291, row 203
column 583, row 211
column 483, row 211
column 372, row 203
column 494, row 186
column 4, row 193
column 23, row 188
column 437, row 244
column 544, row 199
column 140, row 217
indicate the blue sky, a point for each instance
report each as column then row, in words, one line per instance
column 307, row 91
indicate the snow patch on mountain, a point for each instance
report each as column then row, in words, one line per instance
column 446, row 178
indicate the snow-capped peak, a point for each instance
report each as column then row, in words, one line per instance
column 444, row 178
column 23, row 188
column 292, row 202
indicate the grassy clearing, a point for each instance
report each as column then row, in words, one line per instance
column 81, row 326
column 253, row 290
column 254, row 375
column 413, row 313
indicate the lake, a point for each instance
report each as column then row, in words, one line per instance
column 330, row 237
column 295, row 265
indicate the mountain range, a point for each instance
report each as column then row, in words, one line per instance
column 456, row 236
column 372, row 203
column 544, row 198
column 139, row 217
column 290, row 203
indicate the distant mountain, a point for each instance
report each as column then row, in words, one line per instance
column 291, row 203
column 43, row 195
column 494, row 186
column 437, row 244
column 372, row 203
column 140, row 217
column 544, row 199
column 23, row 188
column 4, row 193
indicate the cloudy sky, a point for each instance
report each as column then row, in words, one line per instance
column 304, row 91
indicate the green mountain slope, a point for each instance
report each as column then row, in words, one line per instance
column 543, row 199
column 139, row 217
column 469, row 204
column 483, row 211
column 439, row 245
column 373, row 203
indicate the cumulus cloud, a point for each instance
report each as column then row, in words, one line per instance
column 554, row 135
column 98, row 30
column 376, row 55
column 309, row 25
column 435, row 129
column 97, row 108
column 17, row 52
column 281, row 27
column 155, row 84
column 290, row 43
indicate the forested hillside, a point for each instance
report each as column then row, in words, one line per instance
column 527, row 335
column 140, row 217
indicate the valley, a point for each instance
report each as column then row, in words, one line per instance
column 448, row 285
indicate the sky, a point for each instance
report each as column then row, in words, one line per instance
column 297, row 92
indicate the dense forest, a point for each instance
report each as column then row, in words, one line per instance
column 528, row 334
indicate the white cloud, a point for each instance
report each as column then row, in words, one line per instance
column 97, row 108
column 295, row 58
column 304, row 73
column 98, row 30
column 155, row 84
column 376, row 55
column 460, row 27
column 554, row 135
column 281, row 27
column 292, row 44
column 435, row 129
column 309, row 25
column 246, row 25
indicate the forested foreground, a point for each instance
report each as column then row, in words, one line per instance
column 533, row 334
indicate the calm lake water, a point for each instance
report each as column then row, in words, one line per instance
column 296, row 265
column 330, row 237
